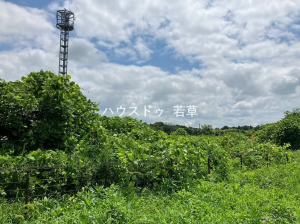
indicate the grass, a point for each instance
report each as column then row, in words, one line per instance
column 267, row 195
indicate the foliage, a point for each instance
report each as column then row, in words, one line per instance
column 180, row 131
column 268, row 195
column 43, row 111
column 285, row 131
column 207, row 129
column 250, row 154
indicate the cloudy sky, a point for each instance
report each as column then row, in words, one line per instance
column 237, row 62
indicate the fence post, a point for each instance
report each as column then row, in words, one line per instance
column 208, row 165
column 27, row 190
column 171, row 172
column 106, row 175
column 287, row 158
column 241, row 162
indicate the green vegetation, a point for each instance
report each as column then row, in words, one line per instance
column 284, row 131
column 260, row 196
column 43, row 111
column 215, row 176
column 204, row 129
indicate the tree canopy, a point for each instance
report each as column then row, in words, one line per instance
column 45, row 111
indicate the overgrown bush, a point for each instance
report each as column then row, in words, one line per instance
column 45, row 111
column 285, row 131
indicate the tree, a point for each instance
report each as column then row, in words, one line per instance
column 287, row 130
column 225, row 127
column 158, row 126
column 207, row 129
column 180, row 131
column 45, row 111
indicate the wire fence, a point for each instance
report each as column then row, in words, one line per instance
column 29, row 182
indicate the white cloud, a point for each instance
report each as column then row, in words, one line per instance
column 125, row 52
column 17, row 63
column 143, row 50
column 84, row 53
column 20, row 23
column 249, row 51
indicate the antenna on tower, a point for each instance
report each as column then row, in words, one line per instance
column 64, row 22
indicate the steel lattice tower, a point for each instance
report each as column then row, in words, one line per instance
column 65, row 22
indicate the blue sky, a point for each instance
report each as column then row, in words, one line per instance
column 162, row 57
column 32, row 3
column 237, row 63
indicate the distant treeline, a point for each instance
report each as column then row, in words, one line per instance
column 203, row 129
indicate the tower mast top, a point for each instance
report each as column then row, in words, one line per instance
column 65, row 20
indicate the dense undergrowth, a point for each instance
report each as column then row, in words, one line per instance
column 266, row 195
